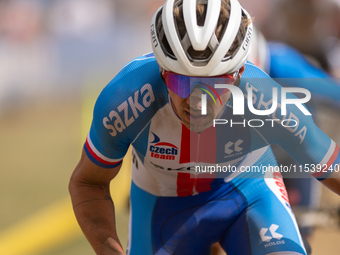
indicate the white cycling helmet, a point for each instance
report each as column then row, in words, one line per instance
column 188, row 48
column 259, row 51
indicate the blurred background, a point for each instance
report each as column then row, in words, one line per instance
column 55, row 58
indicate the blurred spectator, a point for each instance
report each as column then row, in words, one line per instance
column 49, row 46
column 259, row 10
column 84, row 32
column 20, row 20
column 81, row 18
column 139, row 11
column 27, row 59
column 311, row 26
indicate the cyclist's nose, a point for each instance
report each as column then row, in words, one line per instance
column 195, row 100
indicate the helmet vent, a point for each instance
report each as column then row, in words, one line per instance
column 199, row 55
column 179, row 22
column 201, row 14
column 235, row 47
column 162, row 37
column 223, row 20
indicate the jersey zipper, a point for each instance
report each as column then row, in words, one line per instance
column 194, row 192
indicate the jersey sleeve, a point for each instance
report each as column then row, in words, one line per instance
column 296, row 131
column 123, row 109
column 104, row 145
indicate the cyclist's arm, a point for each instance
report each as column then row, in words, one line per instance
column 317, row 153
column 333, row 181
column 93, row 206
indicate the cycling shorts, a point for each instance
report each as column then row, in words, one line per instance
column 248, row 216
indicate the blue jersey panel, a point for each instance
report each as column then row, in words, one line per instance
column 142, row 213
column 129, row 101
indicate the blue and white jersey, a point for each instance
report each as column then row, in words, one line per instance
column 135, row 109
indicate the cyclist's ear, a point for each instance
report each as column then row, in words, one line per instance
column 161, row 71
column 239, row 75
column 241, row 70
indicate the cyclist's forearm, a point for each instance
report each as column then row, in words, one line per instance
column 333, row 181
column 95, row 214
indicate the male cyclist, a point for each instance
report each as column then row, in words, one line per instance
column 158, row 104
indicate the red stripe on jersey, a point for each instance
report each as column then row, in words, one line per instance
column 207, row 146
column 185, row 184
column 329, row 163
column 206, row 154
column 188, row 146
column 203, row 182
column 98, row 158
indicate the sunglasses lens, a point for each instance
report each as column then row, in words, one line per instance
column 179, row 84
column 183, row 85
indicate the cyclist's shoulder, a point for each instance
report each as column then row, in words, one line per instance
column 134, row 96
column 137, row 82
column 257, row 79
column 139, row 71
column 139, row 63
column 263, row 89
column 253, row 71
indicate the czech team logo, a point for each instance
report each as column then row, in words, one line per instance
column 162, row 150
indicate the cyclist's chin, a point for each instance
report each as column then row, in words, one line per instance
column 198, row 123
column 198, row 127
